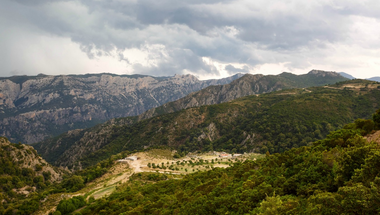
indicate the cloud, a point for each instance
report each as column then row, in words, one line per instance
column 173, row 37
column 233, row 69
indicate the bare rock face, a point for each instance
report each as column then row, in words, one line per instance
column 35, row 108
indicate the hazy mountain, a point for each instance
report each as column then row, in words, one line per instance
column 352, row 77
column 269, row 122
column 346, row 75
column 33, row 108
column 375, row 79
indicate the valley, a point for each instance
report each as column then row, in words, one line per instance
column 299, row 180
column 166, row 167
column 126, row 107
column 283, row 147
column 272, row 122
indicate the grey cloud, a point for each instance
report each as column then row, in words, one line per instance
column 192, row 29
column 178, row 61
column 278, row 32
column 35, row 2
column 234, row 70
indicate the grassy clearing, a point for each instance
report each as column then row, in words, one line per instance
column 160, row 153
column 103, row 192
column 199, row 162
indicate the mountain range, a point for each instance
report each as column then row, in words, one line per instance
column 267, row 122
column 33, row 108
column 285, row 118
column 244, row 86
column 346, row 75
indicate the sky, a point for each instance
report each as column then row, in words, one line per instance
column 209, row 39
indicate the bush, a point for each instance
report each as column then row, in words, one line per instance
column 376, row 119
column 70, row 205
column 73, row 183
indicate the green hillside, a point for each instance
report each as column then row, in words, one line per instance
column 24, row 175
column 272, row 122
column 336, row 175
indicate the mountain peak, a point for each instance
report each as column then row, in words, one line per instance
column 323, row 73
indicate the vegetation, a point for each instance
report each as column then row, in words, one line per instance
column 24, row 186
column 21, row 183
column 338, row 174
column 66, row 206
column 273, row 122
column 335, row 175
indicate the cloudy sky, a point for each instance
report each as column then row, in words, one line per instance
column 210, row 39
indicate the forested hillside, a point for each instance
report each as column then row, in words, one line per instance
column 23, row 173
column 272, row 122
column 336, row 175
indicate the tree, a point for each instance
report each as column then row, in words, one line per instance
column 267, row 154
column 65, row 207
column 271, row 205
column 376, row 119
column 73, row 183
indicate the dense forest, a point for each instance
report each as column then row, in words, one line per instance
column 335, row 175
column 273, row 122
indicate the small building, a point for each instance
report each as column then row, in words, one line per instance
column 132, row 158
column 237, row 155
column 224, row 155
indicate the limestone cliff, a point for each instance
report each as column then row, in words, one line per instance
column 34, row 108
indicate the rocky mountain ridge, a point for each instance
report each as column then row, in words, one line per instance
column 247, row 85
column 173, row 129
column 33, row 108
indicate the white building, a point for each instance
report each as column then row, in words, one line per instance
column 131, row 158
